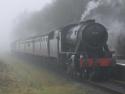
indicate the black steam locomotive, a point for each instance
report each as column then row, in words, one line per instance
column 81, row 47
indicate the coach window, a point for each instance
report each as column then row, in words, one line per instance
column 56, row 34
column 28, row 44
column 51, row 35
column 46, row 38
column 37, row 40
column 41, row 38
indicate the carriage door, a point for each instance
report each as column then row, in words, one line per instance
column 54, row 44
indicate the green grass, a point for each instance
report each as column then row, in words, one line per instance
column 24, row 78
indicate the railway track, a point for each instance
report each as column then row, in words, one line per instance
column 122, row 83
column 110, row 86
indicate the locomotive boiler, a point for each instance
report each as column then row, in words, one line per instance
column 81, row 48
column 86, row 36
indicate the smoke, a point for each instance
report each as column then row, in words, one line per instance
column 111, row 14
column 90, row 6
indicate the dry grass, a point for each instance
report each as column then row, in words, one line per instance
column 19, row 77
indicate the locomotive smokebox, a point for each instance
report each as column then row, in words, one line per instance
column 95, row 35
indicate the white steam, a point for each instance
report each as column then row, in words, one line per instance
column 90, row 6
column 111, row 14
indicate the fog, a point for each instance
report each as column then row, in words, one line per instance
column 24, row 18
column 10, row 11
column 63, row 12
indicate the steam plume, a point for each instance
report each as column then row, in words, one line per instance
column 90, row 6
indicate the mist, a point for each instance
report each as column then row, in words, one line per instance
column 10, row 14
column 22, row 19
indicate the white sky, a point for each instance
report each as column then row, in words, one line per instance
column 9, row 10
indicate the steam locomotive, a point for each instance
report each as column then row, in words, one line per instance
column 82, row 48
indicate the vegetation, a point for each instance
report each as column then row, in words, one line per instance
column 23, row 78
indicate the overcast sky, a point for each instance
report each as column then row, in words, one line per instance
column 10, row 10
